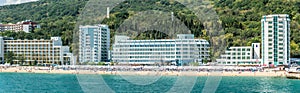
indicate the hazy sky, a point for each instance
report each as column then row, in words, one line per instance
column 8, row 2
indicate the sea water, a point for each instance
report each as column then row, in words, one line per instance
column 71, row 83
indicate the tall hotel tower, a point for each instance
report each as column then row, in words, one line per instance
column 94, row 43
column 275, row 39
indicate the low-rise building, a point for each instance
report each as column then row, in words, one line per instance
column 26, row 26
column 247, row 55
column 36, row 51
column 184, row 49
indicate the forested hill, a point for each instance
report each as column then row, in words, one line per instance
column 57, row 18
column 240, row 18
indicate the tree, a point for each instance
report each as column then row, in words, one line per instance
column 112, row 63
column 205, row 61
column 35, row 62
column 101, row 63
column 21, row 59
column 9, row 57
column 194, row 64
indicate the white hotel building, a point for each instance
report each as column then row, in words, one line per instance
column 275, row 39
column 94, row 43
column 40, row 51
column 184, row 49
column 26, row 26
column 247, row 55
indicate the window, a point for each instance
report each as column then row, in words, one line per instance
column 239, row 49
column 270, row 35
column 280, row 26
column 270, row 44
column 280, row 39
column 270, row 22
column 270, row 39
column 280, row 30
column 280, row 43
column 270, row 52
column 280, row 62
column 280, row 22
column 270, row 62
column 270, row 26
column 280, row 52
column 270, row 31
column 270, row 57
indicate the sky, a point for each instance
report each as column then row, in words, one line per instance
column 9, row 2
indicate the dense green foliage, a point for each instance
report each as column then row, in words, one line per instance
column 131, row 7
column 9, row 57
column 240, row 18
column 57, row 18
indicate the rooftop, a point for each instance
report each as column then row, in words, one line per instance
column 280, row 15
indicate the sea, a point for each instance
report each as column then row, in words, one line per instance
column 71, row 83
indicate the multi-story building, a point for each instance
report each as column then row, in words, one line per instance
column 247, row 55
column 275, row 39
column 94, row 43
column 26, row 26
column 7, row 27
column 40, row 51
column 183, row 49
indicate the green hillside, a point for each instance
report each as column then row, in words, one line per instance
column 240, row 18
column 57, row 18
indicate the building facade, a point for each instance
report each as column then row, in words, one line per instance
column 36, row 51
column 247, row 55
column 26, row 26
column 275, row 39
column 94, row 43
column 183, row 49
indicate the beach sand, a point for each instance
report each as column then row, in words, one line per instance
column 155, row 73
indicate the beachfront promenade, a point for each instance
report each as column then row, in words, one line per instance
column 149, row 70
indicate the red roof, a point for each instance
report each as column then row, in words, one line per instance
column 29, row 23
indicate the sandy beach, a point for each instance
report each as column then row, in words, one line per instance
column 163, row 73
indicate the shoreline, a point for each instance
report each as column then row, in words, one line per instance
column 150, row 73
